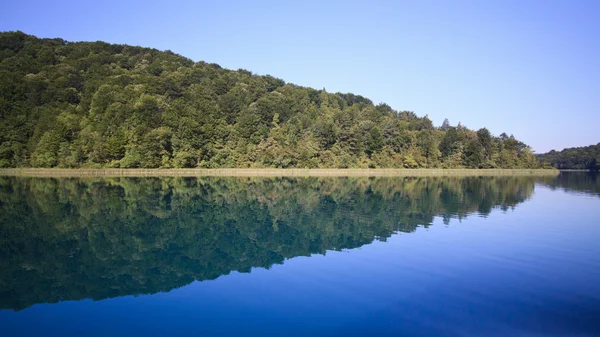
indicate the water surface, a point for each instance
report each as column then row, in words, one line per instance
column 427, row 256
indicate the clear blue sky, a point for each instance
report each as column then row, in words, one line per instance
column 530, row 68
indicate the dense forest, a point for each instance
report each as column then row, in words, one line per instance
column 76, row 238
column 578, row 158
column 100, row 105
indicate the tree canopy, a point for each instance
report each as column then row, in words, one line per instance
column 577, row 158
column 99, row 105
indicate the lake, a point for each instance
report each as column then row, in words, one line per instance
column 227, row 256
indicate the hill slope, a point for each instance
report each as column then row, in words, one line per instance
column 578, row 158
column 93, row 104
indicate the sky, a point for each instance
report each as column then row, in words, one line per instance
column 528, row 68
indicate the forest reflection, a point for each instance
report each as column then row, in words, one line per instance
column 77, row 238
column 578, row 182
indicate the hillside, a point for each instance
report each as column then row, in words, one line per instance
column 576, row 158
column 93, row 104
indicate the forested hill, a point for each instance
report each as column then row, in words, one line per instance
column 94, row 104
column 581, row 158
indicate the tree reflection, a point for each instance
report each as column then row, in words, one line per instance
column 76, row 238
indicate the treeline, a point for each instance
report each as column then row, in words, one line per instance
column 70, row 239
column 577, row 158
column 101, row 105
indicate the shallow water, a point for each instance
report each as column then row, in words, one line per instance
column 447, row 256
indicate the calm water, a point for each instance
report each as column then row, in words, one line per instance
column 503, row 256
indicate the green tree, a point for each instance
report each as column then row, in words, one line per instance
column 94, row 104
column 474, row 154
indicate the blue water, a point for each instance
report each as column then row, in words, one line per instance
column 527, row 265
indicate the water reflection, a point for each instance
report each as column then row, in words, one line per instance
column 580, row 182
column 70, row 239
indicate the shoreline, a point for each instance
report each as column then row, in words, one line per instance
column 269, row 172
column 576, row 170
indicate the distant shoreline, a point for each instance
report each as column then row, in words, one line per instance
column 270, row 172
column 576, row 170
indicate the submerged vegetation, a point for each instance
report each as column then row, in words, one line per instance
column 100, row 105
column 76, row 238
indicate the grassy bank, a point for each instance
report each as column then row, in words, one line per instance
column 37, row 172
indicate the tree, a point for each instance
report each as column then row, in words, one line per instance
column 102, row 105
column 572, row 158
column 374, row 141
column 485, row 138
column 445, row 125
column 473, row 155
column 449, row 143
column 594, row 165
column 46, row 151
